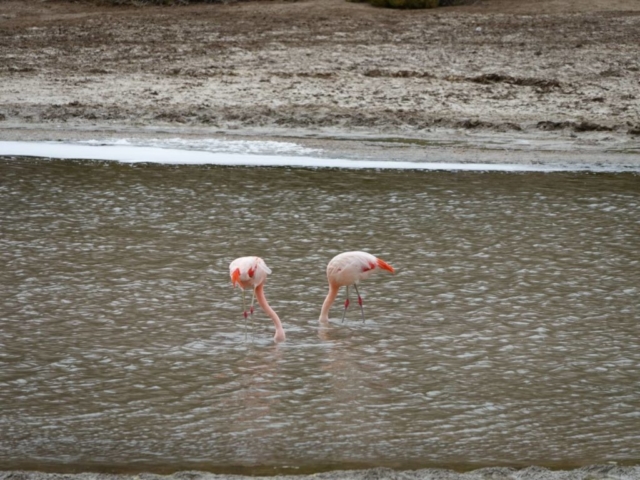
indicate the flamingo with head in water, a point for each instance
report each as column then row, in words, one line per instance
column 348, row 269
column 251, row 272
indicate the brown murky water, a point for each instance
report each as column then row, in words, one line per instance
column 510, row 334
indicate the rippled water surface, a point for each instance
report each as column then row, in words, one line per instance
column 510, row 333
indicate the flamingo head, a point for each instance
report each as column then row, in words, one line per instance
column 235, row 277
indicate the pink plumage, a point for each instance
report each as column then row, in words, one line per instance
column 251, row 272
column 248, row 272
column 348, row 269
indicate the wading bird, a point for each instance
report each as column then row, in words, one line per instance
column 252, row 272
column 348, row 269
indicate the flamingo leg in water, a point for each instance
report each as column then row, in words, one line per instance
column 346, row 305
column 244, row 312
column 253, row 298
column 244, row 305
column 359, row 301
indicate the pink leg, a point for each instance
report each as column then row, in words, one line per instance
column 244, row 306
column 346, row 305
column 245, row 313
column 359, row 302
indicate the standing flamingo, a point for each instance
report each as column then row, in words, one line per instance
column 348, row 269
column 252, row 272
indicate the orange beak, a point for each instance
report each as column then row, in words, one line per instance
column 385, row 266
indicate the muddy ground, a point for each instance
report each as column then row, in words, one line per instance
column 596, row 472
column 497, row 75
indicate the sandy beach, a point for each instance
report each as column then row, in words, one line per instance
column 495, row 81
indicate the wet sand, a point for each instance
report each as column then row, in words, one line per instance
column 595, row 472
column 494, row 81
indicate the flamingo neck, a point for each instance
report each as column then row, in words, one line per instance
column 326, row 306
column 262, row 301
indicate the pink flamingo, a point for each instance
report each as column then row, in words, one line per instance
column 348, row 269
column 252, row 272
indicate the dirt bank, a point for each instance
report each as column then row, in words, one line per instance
column 595, row 472
column 563, row 75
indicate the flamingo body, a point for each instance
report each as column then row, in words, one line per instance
column 251, row 272
column 347, row 269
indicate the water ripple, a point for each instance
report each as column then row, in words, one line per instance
column 508, row 335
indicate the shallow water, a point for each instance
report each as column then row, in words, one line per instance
column 510, row 334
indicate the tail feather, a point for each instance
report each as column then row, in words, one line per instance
column 384, row 265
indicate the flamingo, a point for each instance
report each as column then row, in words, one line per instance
column 252, row 272
column 348, row 269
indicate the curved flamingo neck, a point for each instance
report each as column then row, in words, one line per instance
column 326, row 306
column 262, row 301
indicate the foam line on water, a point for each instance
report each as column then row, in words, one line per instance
column 268, row 147
column 126, row 153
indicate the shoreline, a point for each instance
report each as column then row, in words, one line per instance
column 591, row 472
column 444, row 146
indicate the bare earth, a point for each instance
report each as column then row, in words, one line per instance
column 495, row 81
column 596, row 472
